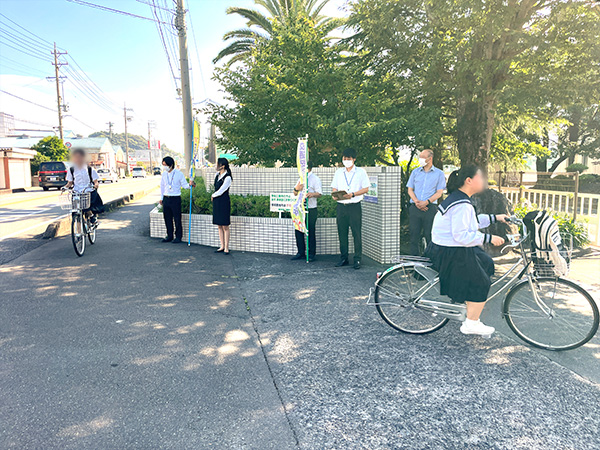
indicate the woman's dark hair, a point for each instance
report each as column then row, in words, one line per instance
column 225, row 163
column 78, row 151
column 169, row 161
column 309, row 165
column 457, row 178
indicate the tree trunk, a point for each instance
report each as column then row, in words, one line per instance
column 475, row 125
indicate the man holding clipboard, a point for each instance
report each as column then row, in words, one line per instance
column 349, row 185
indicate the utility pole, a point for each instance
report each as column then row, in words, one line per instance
column 110, row 128
column 126, row 119
column 186, row 95
column 56, row 77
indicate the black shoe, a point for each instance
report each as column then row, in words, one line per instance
column 219, row 250
column 312, row 258
column 167, row 239
column 93, row 220
column 226, row 253
column 177, row 241
column 342, row 262
column 357, row 264
column 298, row 256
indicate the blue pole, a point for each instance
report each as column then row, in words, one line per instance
column 192, row 166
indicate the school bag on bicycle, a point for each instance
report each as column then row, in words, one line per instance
column 550, row 256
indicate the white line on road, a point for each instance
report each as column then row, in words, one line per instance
column 34, row 226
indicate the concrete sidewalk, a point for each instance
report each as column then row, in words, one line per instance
column 146, row 345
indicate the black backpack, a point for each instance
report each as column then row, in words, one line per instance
column 72, row 169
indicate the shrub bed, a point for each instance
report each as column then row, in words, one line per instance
column 243, row 205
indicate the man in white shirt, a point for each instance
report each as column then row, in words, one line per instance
column 355, row 182
column 315, row 190
column 171, row 184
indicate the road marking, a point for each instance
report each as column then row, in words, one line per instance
column 34, row 226
column 19, row 216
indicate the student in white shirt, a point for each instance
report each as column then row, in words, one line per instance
column 355, row 182
column 83, row 178
column 315, row 190
column 171, row 184
column 222, row 204
column 464, row 267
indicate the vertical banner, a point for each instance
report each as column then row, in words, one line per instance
column 195, row 147
column 299, row 208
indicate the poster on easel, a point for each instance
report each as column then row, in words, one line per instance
column 299, row 207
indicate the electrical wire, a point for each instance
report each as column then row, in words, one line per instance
column 106, row 8
column 23, row 51
column 25, row 29
column 164, row 42
column 197, row 53
column 28, row 101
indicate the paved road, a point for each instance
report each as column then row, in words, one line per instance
column 25, row 215
column 143, row 345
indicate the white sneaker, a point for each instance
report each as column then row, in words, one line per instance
column 476, row 327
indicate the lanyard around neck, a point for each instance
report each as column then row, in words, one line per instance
column 352, row 178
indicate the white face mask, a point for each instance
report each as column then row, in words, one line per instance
column 166, row 168
column 422, row 162
column 348, row 163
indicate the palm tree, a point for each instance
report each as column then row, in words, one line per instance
column 245, row 38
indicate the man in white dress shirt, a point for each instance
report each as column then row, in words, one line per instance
column 315, row 190
column 171, row 184
column 355, row 182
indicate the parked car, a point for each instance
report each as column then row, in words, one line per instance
column 138, row 172
column 157, row 171
column 106, row 176
column 53, row 174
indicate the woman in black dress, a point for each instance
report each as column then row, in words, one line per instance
column 222, row 204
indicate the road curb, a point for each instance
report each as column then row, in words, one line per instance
column 62, row 227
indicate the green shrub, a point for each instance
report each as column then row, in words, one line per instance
column 589, row 183
column 243, row 205
column 566, row 225
column 576, row 167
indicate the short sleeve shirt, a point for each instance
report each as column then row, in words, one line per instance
column 426, row 183
column 80, row 177
column 351, row 181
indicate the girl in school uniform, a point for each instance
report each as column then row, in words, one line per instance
column 222, row 204
column 455, row 251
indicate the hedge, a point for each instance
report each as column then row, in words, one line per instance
column 243, row 205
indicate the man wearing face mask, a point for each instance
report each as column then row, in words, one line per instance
column 355, row 182
column 171, row 183
column 425, row 186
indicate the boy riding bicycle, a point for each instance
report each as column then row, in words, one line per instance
column 83, row 178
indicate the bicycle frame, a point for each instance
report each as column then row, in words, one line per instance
column 458, row 311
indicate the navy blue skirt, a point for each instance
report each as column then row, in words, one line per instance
column 465, row 272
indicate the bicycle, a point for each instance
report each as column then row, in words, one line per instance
column 542, row 309
column 81, row 227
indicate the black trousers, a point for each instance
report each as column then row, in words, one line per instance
column 172, row 213
column 312, row 237
column 420, row 223
column 349, row 215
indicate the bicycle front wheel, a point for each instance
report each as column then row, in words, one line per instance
column 78, row 234
column 395, row 296
column 551, row 313
column 92, row 233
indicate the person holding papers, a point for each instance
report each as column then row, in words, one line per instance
column 349, row 185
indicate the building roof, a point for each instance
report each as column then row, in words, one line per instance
column 95, row 143
column 17, row 142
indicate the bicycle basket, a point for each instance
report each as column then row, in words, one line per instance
column 74, row 200
column 555, row 262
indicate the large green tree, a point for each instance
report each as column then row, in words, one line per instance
column 50, row 148
column 293, row 85
column 461, row 58
column 260, row 25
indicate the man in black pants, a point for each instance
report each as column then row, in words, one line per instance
column 315, row 190
column 425, row 186
column 171, row 184
column 355, row 182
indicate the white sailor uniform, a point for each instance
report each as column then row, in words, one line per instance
column 464, row 268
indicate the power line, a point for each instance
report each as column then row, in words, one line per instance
column 25, row 29
column 164, row 43
column 106, row 8
column 25, row 52
column 33, row 123
column 28, row 101
column 12, row 61
column 197, row 53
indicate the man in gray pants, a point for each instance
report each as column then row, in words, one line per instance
column 425, row 186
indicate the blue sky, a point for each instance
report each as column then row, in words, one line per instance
column 122, row 55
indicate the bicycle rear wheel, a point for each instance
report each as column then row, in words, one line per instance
column 566, row 316
column 395, row 296
column 78, row 234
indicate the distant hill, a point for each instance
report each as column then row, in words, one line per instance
column 136, row 142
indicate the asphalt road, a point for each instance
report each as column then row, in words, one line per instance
column 24, row 216
column 143, row 345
